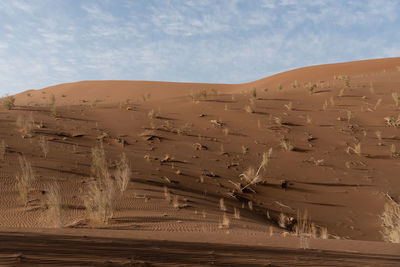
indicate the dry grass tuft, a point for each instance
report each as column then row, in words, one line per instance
column 236, row 213
column 392, row 121
column 310, row 87
column 396, row 98
column 222, row 204
column 253, row 177
column 44, row 145
column 286, row 144
column 54, row 206
column 390, row 219
column 225, row 221
column 3, row 150
column 122, row 173
column 356, row 149
column 24, row 180
column 25, row 124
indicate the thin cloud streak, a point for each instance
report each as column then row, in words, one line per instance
column 49, row 42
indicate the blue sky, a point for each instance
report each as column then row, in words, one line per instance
column 46, row 42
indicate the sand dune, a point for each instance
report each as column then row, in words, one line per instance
column 335, row 140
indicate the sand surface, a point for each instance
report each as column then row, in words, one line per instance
column 194, row 141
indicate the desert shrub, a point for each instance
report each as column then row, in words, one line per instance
column 24, row 180
column 99, row 200
column 100, row 197
column 8, row 102
column 122, row 173
column 390, row 219
column 25, row 124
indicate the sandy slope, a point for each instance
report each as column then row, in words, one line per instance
column 343, row 192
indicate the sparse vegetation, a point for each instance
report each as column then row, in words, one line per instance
column 390, row 219
column 222, row 204
column 286, row 144
column 310, row 87
column 99, row 164
column 289, row 106
column 44, row 145
column 122, row 173
column 356, row 149
column 8, row 102
column 199, row 95
column 396, row 98
column 379, row 136
column 25, row 124
column 251, row 108
column 392, row 121
column 252, row 177
column 341, row 92
column 99, row 200
column 3, row 150
column 378, row 102
column 24, row 180
column 225, row 223
column 100, row 197
column 54, row 206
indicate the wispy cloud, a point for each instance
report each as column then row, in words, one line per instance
column 48, row 42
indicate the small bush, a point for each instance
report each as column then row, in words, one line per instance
column 24, row 180
column 99, row 200
column 8, row 102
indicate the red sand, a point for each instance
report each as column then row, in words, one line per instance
column 342, row 192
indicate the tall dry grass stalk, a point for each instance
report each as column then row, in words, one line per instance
column 122, row 173
column 44, row 145
column 3, row 150
column 24, row 180
column 54, row 206
column 99, row 163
